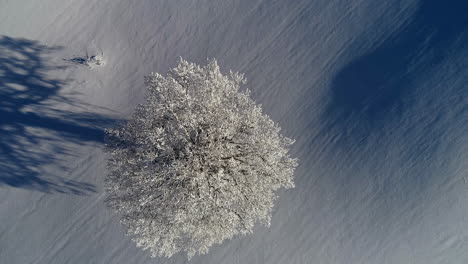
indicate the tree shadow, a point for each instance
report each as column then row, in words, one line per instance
column 372, row 90
column 32, row 131
column 392, row 120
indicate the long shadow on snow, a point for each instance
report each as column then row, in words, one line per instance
column 30, row 128
column 384, row 94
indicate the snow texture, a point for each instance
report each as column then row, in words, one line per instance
column 374, row 92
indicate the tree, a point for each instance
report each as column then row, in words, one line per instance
column 197, row 163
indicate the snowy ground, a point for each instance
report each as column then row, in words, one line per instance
column 374, row 92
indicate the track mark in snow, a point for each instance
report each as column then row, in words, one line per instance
column 76, row 221
column 449, row 242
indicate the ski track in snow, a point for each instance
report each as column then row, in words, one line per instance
column 373, row 92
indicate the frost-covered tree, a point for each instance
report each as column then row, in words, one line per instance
column 197, row 163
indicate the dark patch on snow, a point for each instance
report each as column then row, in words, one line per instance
column 393, row 113
column 377, row 87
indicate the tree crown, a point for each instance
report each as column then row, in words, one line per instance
column 197, row 163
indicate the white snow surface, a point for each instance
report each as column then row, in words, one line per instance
column 373, row 93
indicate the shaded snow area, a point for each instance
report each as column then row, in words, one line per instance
column 374, row 92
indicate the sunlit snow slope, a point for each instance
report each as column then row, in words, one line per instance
column 374, row 92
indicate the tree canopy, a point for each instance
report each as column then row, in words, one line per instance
column 197, row 163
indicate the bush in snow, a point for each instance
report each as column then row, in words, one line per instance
column 95, row 61
column 197, row 163
column 90, row 61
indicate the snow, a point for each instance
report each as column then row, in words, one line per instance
column 374, row 92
